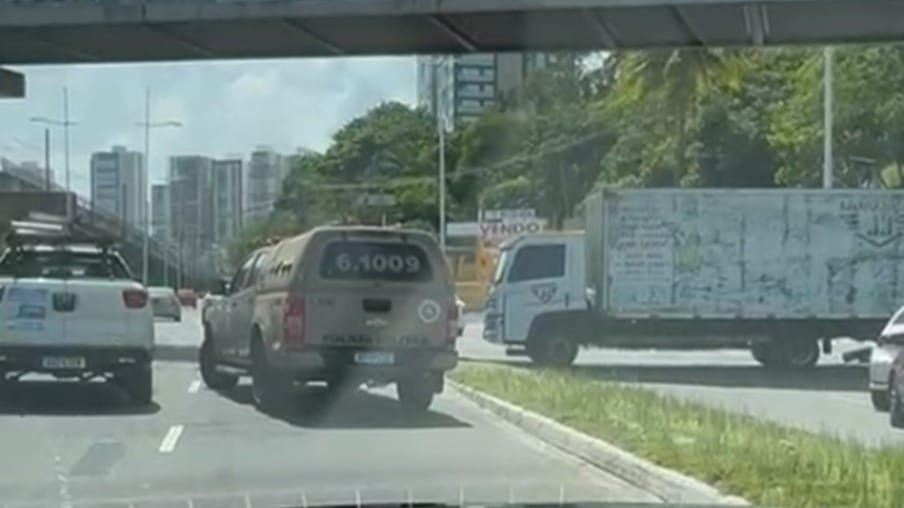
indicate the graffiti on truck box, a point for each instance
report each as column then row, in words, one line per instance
column 761, row 254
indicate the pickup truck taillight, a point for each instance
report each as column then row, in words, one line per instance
column 135, row 298
column 293, row 320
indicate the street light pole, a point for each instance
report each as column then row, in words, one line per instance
column 827, row 118
column 145, row 187
column 441, row 135
column 66, row 135
column 145, row 219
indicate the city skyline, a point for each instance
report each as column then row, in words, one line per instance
column 225, row 107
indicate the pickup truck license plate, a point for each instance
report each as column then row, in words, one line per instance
column 374, row 357
column 63, row 362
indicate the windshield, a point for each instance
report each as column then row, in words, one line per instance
column 62, row 264
column 501, row 265
column 473, row 253
column 380, row 261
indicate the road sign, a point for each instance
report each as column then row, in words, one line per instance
column 495, row 232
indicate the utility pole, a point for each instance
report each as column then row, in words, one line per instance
column 828, row 65
column 66, row 125
column 47, row 159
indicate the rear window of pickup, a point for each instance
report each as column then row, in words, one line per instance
column 62, row 264
column 380, row 261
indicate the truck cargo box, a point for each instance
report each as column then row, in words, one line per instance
column 750, row 254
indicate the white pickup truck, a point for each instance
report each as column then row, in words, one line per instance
column 70, row 308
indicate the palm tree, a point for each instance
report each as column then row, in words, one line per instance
column 678, row 79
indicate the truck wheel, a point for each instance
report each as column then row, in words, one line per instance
column 799, row 353
column 552, row 349
column 786, row 353
column 207, row 363
column 268, row 391
column 880, row 400
column 415, row 393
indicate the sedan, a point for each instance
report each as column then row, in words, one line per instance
column 165, row 303
column 888, row 345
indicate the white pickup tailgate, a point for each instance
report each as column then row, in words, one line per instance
column 26, row 312
column 41, row 312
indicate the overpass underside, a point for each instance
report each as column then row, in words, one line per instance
column 122, row 30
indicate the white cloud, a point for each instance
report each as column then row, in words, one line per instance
column 225, row 107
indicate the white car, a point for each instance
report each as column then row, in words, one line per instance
column 72, row 310
column 165, row 303
column 888, row 344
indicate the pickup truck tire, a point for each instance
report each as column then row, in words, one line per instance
column 416, row 393
column 207, row 363
column 896, row 408
column 138, row 384
column 880, row 401
column 269, row 391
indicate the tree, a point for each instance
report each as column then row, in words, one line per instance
column 677, row 81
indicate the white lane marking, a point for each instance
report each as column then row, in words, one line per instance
column 194, row 386
column 171, row 438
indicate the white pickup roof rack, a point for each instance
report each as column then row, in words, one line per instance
column 41, row 228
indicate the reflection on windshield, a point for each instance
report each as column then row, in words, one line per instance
column 501, row 265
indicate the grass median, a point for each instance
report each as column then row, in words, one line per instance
column 763, row 462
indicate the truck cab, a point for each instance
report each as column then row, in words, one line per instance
column 538, row 297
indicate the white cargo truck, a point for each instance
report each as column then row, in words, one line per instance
column 775, row 271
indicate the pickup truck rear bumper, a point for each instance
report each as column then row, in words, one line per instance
column 322, row 364
column 72, row 359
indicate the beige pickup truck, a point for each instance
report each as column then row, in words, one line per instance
column 342, row 305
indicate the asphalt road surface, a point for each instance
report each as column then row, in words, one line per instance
column 65, row 444
column 830, row 398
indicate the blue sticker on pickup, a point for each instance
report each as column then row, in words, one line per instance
column 20, row 294
column 28, row 311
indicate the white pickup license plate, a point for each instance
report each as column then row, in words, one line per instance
column 374, row 357
column 63, row 362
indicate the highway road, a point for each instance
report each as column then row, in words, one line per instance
column 83, row 445
column 830, row 398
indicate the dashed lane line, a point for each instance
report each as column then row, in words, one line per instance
column 171, row 439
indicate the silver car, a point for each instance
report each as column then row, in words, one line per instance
column 882, row 357
column 165, row 303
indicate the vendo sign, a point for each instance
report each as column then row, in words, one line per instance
column 500, row 225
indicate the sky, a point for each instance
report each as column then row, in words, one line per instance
column 226, row 108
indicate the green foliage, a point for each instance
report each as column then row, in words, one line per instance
column 765, row 463
column 687, row 117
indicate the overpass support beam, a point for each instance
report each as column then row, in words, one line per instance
column 12, row 84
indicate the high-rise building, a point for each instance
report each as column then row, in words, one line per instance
column 191, row 207
column 160, row 211
column 264, row 178
column 228, row 198
column 462, row 87
column 118, row 184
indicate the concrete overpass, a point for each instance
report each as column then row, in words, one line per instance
column 22, row 192
column 72, row 31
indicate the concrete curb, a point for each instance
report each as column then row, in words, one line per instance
column 669, row 485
